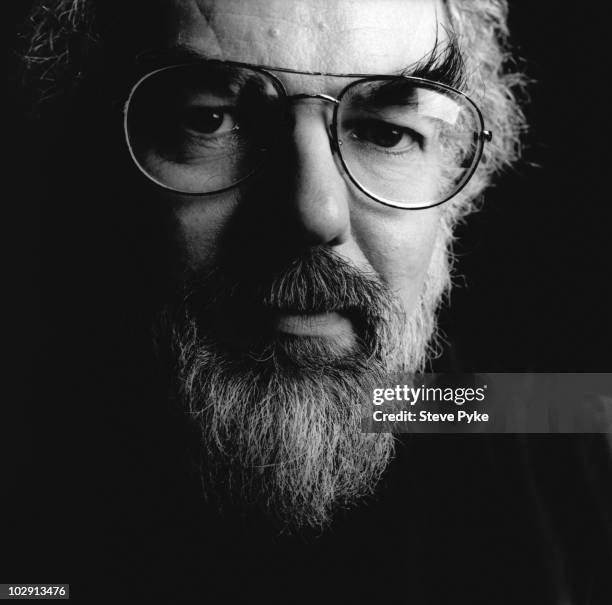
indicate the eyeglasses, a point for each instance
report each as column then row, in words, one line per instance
column 205, row 127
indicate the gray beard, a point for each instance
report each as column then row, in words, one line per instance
column 280, row 421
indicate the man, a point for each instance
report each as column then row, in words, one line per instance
column 287, row 181
column 312, row 214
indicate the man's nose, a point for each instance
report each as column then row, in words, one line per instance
column 321, row 195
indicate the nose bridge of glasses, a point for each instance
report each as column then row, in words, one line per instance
column 292, row 99
column 305, row 95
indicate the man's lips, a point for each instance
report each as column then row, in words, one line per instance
column 332, row 324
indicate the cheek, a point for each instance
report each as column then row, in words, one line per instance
column 400, row 250
column 199, row 225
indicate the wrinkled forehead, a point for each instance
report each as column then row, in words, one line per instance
column 341, row 36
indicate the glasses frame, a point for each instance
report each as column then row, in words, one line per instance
column 482, row 137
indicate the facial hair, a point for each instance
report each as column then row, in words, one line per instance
column 279, row 414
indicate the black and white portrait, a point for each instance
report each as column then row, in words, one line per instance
column 234, row 219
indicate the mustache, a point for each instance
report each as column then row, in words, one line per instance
column 318, row 281
column 233, row 311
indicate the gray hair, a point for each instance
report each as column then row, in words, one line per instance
column 493, row 82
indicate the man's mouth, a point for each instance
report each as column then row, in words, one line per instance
column 323, row 325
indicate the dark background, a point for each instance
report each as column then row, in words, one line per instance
column 536, row 260
column 536, row 295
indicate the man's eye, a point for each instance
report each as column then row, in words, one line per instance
column 208, row 120
column 386, row 135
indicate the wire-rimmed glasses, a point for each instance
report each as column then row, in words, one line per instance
column 205, row 127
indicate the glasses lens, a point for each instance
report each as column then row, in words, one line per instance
column 407, row 143
column 200, row 128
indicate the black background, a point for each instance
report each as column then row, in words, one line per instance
column 535, row 295
column 536, row 260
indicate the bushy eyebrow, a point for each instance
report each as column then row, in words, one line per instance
column 444, row 64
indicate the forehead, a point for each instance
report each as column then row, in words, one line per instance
column 343, row 36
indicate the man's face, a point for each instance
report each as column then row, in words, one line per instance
column 301, row 291
column 308, row 198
